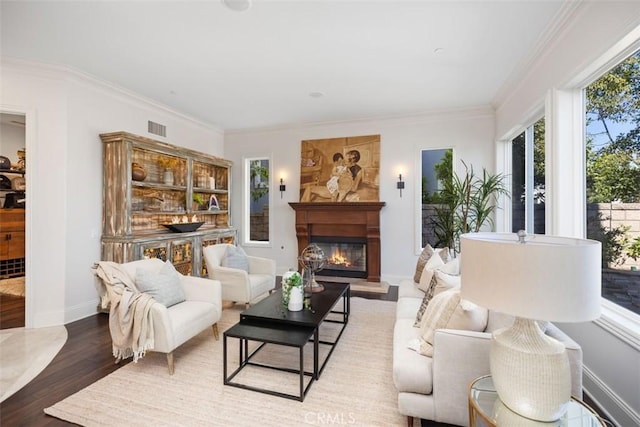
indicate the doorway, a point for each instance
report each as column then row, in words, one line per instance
column 12, row 220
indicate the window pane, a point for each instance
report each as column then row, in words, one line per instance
column 259, row 200
column 527, row 180
column 436, row 168
column 613, row 178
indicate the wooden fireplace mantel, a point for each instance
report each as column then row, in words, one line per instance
column 346, row 219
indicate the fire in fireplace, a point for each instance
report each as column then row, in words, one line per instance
column 346, row 256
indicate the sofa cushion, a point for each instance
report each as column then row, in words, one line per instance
column 235, row 257
column 425, row 255
column 411, row 372
column 407, row 288
column 406, row 308
column 448, row 311
column 163, row 284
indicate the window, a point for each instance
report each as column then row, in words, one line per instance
column 527, row 180
column 612, row 144
column 436, row 166
column 257, row 173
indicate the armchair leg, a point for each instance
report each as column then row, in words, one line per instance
column 409, row 421
column 170, row 362
column 216, row 334
column 247, row 305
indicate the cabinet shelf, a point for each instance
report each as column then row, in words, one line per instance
column 157, row 186
column 13, row 171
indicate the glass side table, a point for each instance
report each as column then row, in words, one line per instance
column 486, row 409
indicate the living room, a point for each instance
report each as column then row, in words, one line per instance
column 66, row 109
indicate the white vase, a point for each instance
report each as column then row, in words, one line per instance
column 168, row 177
column 295, row 299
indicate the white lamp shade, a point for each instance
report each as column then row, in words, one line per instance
column 546, row 278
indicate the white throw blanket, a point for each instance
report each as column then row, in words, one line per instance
column 130, row 320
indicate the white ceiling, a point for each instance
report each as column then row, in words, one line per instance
column 257, row 68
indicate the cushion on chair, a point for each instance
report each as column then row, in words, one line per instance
column 163, row 284
column 235, row 257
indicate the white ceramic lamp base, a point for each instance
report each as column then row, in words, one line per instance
column 530, row 371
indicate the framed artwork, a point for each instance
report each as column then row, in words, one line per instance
column 340, row 169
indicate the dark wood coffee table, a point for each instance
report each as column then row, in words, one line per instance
column 269, row 322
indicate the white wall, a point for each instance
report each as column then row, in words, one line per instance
column 596, row 33
column 469, row 132
column 66, row 112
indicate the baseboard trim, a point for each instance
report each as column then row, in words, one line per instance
column 615, row 409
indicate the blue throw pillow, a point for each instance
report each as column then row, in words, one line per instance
column 163, row 285
column 235, row 257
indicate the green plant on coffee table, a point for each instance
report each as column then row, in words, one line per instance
column 290, row 280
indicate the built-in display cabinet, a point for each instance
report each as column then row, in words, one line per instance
column 148, row 184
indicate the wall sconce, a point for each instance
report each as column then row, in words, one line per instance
column 283, row 187
column 400, row 184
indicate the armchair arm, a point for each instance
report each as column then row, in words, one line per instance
column 234, row 282
column 459, row 357
column 258, row 265
column 201, row 289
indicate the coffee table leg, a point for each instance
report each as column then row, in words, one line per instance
column 316, row 345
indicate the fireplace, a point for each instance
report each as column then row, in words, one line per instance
column 354, row 224
column 346, row 256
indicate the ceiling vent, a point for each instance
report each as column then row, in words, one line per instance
column 157, row 128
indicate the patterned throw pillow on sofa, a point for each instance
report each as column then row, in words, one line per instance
column 441, row 277
column 425, row 255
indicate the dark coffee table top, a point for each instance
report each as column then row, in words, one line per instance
column 271, row 310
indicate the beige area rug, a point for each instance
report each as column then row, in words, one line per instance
column 359, row 285
column 13, row 286
column 24, row 353
column 356, row 387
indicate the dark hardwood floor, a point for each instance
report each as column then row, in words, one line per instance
column 11, row 311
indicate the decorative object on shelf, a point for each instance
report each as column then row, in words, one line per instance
column 22, row 160
column 314, row 259
column 169, row 163
column 534, row 278
column 137, row 172
column 213, row 203
column 167, row 177
column 198, row 201
column 292, row 292
column 5, row 163
column 19, row 183
column 5, row 183
column 184, row 227
column 212, row 183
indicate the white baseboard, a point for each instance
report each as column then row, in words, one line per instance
column 614, row 408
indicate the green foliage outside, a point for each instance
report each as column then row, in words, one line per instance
column 443, row 171
column 262, row 188
column 613, row 171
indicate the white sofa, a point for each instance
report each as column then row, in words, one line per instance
column 436, row 388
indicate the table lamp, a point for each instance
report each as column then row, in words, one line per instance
column 534, row 278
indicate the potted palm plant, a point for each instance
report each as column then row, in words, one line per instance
column 467, row 203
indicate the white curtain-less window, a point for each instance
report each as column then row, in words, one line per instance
column 528, row 180
column 257, row 197
column 612, row 145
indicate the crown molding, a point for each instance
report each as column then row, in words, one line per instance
column 68, row 74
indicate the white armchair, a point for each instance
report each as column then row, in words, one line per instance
column 239, row 285
column 174, row 325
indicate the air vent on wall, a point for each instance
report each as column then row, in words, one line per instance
column 157, row 128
